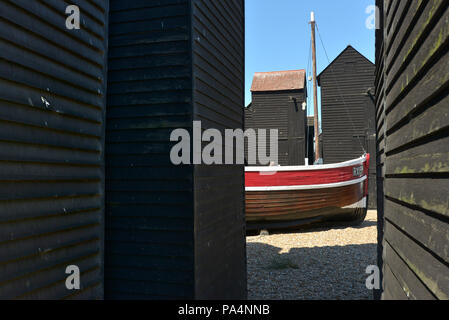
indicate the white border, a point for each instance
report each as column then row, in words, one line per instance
column 307, row 168
column 309, row 187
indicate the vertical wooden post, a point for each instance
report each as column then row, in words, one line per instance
column 315, row 90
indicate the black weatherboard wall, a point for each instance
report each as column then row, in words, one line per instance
column 413, row 147
column 249, row 124
column 173, row 231
column 310, row 135
column 278, row 111
column 52, row 103
column 348, row 112
column 218, row 102
column 277, row 104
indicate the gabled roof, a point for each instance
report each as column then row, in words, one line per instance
column 279, row 81
column 349, row 47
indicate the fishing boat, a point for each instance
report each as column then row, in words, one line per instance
column 291, row 196
column 279, row 197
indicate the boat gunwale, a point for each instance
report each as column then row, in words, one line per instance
column 274, row 169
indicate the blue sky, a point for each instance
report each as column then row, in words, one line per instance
column 278, row 34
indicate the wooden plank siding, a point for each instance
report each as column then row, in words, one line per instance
column 348, row 112
column 52, row 105
column 276, row 110
column 149, row 207
column 249, row 123
column 218, row 102
column 380, row 137
column 173, row 232
column 413, row 138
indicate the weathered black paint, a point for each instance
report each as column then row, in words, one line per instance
column 412, row 129
column 282, row 111
column 173, row 231
column 380, row 141
column 52, row 103
column 218, row 52
column 348, row 112
column 310, row 140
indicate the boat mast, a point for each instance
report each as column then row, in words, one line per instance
column 315, row 90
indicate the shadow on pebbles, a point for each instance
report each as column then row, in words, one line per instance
column 315, row 264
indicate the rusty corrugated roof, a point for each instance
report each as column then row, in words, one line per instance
column 279, row 81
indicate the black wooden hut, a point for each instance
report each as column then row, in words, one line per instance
column 278, row 102
column 347, row 112
column 310, row 140
column 173, row 231
column 412, row 58
column 161, row 231
column 52, row 105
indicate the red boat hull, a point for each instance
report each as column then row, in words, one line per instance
column 293, row 196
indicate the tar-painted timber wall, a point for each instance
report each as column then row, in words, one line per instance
column 310, row 139
column 380, row 140
column 52, row 104
column 149, row 207
column 413, row 147
column 347, row 112
column 282, row 111
column 173, row 232
column 218, row 102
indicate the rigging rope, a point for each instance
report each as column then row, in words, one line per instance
column 339, row 91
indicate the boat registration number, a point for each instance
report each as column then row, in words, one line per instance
column 358, row 171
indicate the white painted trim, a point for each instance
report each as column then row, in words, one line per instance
column 307, row 168
column 360, row 204
column 309, row 187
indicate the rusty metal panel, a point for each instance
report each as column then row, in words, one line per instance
column 52, row 104
column 279, row 81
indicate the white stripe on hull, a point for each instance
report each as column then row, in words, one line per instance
column 309, row 187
